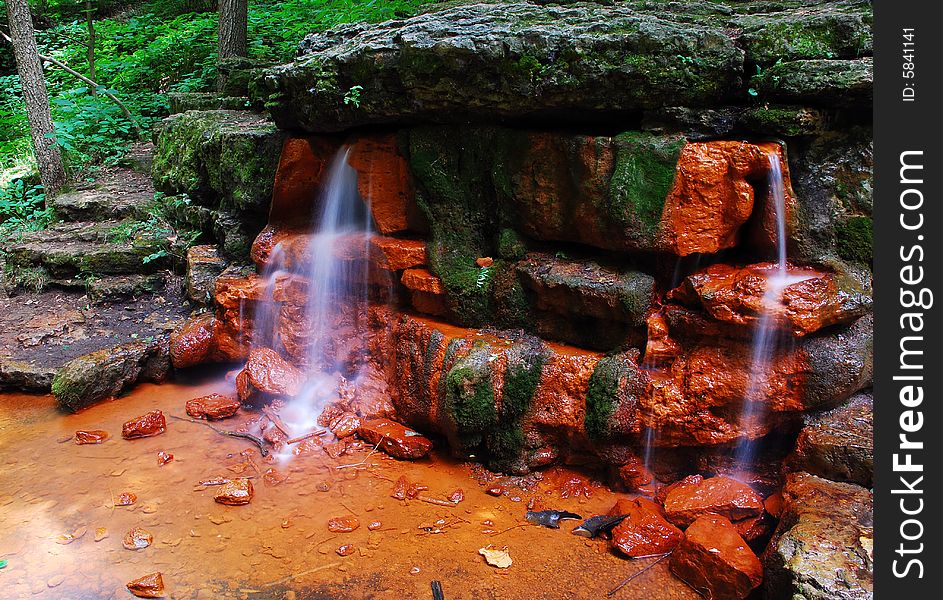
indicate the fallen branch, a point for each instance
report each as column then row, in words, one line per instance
column 364, row 461
column 302, row 574
column 633, row 576
column 70, row 71
column 519, row 525
column 306, row 436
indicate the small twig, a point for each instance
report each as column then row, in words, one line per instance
column 436, row 501
column 276, row 420
column 631, row 577
column 364, row 461
column 306, row 436
column 302, row 574
column 510, row 528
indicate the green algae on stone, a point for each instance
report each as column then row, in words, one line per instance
column 612, row 396
column 854, row 238
column 506, row 440
column 469, row 398
column 832, row 83
column 642, row 178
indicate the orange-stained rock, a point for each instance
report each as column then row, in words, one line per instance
column 303, row 164
column 235, row 492
column 384, row 180
column 344, row 524
column 633, row 474
column 774, row 504
column 148, row 586
column 345, row 425
column 194, row 343
column 421, row 280
column 395, row 439
column 213, row 406
column 805, row 302
column 137, row 539
column 715, row 561
column 644, row 532
column 397, row 254
column 268, row 375
column 712, row 196
column 659, row 346
column 663, row 492
column 715, row 495
column 430, row 304
column 147, row 425
column 90, row 436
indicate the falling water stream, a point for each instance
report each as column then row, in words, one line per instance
column 766, row 337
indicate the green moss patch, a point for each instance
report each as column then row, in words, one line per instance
column 643, row 175
column 854, row 238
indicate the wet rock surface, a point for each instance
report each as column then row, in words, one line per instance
column 838, row 444
column 395, row 439
column 147, row 425
column 714, row 560
column 236, row 492
column 268, row 375
column 819, row 516
column 645, row 531
column 92, row 436
column 214, row 406
column 715, row 495
column 148, row 586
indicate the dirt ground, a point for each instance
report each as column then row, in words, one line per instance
column 278, row 546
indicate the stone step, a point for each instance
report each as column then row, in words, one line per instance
column 116, row 194
column 80, row 250
column 183, row 101
column 113, row 287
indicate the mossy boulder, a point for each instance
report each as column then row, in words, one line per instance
column 106, row 373
column 501, row 60
column 841, row 83
column 612, row 397
column 184, row 101
column 829, row 30
column 220, row 158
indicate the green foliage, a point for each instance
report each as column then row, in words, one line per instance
column 22, row 207
column 154, row 230
column 353, row 95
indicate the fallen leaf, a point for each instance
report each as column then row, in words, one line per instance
column 496, row 558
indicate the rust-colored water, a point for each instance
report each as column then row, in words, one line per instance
column 278, row 546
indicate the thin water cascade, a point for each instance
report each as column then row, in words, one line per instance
column 766, row 337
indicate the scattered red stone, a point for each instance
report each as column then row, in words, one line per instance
column 194, row 342
column 457, row 496
column 574, row 486
column 496, row 490
column 774, row 504
column 91, row 436
column 235, row 493
column 415, row 489
column 273, row 477
column 268, row 375
column 126, row 499
column 400, row 488
column 374, row 525
column 345, row 550
column 644, row 532
column 716, row 495
column 395, row 439
column 152, row 423
column 163, row 458
column 214, row 406
column 714, row 560
column 149, row 586
column 753, row 528
column 345, row 424
column 344, row 524
column 137, row 539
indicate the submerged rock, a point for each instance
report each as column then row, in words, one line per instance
column 148, row 586
column 137, row 539
column 838, row 444
column 147, row 425
column 344, row 524
column 644, row 531
column 715, row 495
column 395, row 439
column 715, row 561
column 213, row 406
column 90, row 436
column 235, row 492
column 822, row 547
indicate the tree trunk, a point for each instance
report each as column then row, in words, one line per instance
column 29, row 67
column 233, row 28
column 91, row 45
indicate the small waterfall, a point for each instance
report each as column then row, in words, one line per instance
column 337, row 275
column 265, row 318
column 766, row 337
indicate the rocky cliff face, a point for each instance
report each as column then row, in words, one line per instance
column 576, row 225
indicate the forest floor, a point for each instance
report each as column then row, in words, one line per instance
column 75, row 288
